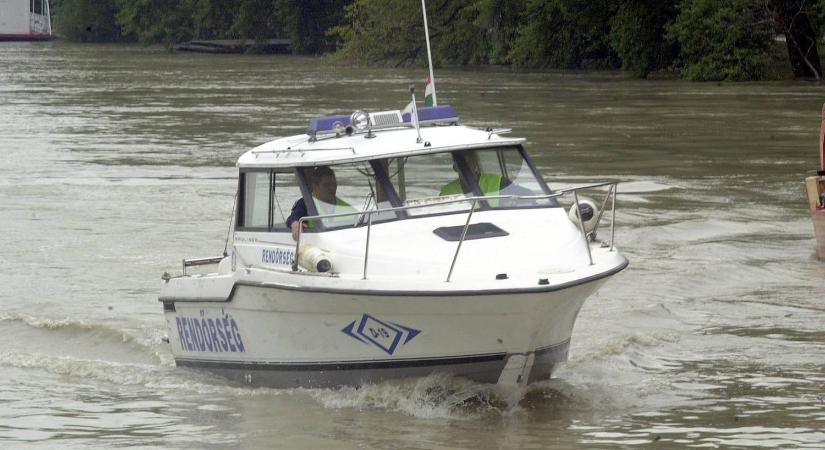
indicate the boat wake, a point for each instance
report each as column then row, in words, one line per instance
column 441, row 396
column 105, row 354
column 105, row 371
column 435, row 396
column 85, row 339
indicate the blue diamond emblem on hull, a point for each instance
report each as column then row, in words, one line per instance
column 379, row 333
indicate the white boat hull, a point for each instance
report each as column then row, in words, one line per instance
column 282, row 336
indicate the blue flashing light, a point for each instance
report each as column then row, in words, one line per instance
column 443, row 113
column 327, row 124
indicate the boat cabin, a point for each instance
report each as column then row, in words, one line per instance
column 392, row 169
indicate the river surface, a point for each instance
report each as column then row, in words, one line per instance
column 116, row 162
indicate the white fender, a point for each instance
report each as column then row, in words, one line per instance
column 590, row 212
column 313, row 259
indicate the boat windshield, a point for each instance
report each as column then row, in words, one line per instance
column 423, row 180
column 428, row 184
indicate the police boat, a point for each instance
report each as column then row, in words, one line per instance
column 393, row 244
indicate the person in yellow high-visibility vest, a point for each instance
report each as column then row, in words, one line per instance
column 323, row 186
column 490, row 183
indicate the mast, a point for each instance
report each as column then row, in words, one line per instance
column 429, row 54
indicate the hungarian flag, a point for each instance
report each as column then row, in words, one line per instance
column 429, row 93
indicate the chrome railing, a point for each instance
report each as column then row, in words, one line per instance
column 201, row 262
column 588, row 237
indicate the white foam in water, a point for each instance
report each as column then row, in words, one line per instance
column 156, row 377
column 644, row 186
column 434, row 396
column 626, row 186
column 631, row 192
column 106, row 371
column 620, row 345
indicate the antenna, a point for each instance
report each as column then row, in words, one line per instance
column 429, row 54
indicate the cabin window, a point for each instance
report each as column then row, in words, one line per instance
column 267, row 198
column 421, row 181
column 38, row 7
column 346, row 189
column 505, row 172
column 254, row 211
column 285, row 192
column 426, row 179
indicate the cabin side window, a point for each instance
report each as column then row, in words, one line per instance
column 266, row 200
column 285, row 192
column 38, row 7
column 253, row 212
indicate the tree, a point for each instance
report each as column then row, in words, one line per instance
column 731, row 40
column 213, row 19
column 792, row 18
column 381, row 31
column 461, row 32
column 157, row 21
column 254, row 20
column 87, row 20
column 307, row 23
column 638, row 34
column 565, row 34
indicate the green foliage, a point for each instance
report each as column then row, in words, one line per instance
column 566, row 34
column 703, row 39
column 816, row 13
column 87, row 20
column 213, row 19
column 500, row 19
column 254, row 20
column 475, row 32
column 639, row 35
column 376, row 31
column 731, row 40
column 461, row 32
column 526, row 33
column 157, row 21
column 456, row 36
column 307, row 22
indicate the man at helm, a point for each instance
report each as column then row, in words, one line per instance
column 323, row 187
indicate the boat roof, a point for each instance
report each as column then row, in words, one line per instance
column 303, row 150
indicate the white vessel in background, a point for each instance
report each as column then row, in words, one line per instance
column 443, row 250
column 25, row 20
column 815, row 188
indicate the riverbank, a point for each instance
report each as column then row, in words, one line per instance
column 283, row 47
column 269, row 46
